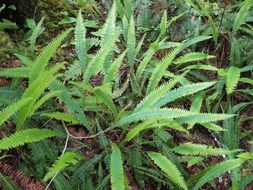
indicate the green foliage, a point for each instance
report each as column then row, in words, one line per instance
column 232, row 79
column 169, row 168
column 7, row 184
column 116, row 169
column 65, row 160
column 25, row 136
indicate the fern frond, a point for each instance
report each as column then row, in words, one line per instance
column 96, row 64
column 155, row 95
column 131, row 43
column 241, row 15
column 169, row 168
column 25, row 136
column 183, row 91
column 116, row 169
column 101, row 93
column 191, row 57
column 232, row 79
column 46, row 54
column 217, row 170
column 35, row 34
column 171, row 113
column 68, row 158
column 24, row 59
column 12, row 109
column 113, row 70
column 80, row 42
column 61, row 116
column 199, row 149
column 160, row 70
column 8, row 184
column 18, row 72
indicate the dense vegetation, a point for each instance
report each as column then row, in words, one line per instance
column 126, row 95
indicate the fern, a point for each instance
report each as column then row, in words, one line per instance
column 232, row 79
column 19, row 72
column 68, row 158
column 242, row 14
column 112, row 72
column 131, row 43
column 12, row 109
column 80, row 42
column 155, row 95
column 62, row 116
column 171, row 113
column 182, row 92
column 217, row 170
column 97, row 62
column 160, row 69
column 25, row 136
column 46, row 54
column 169, row 168
column 193, row 56
column 7, row 184
column 199, row 149
column 116, row 169
column 35, row 34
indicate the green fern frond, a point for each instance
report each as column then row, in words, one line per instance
column 35, row 34
column 155, row 95
column 97, row 62
column 101, row 93
column 8, row 184
column 172, row 113
column 46, row 54
column 160, row 70
column 80, row 42
column 61, row 116
column 183, row 91
column 232, row 79
column 169, row 168
column 191, row 57
column 241, row 15
column 217, row 170
column 24, row 59
column 113, row 70
column 68, row 158
column 149, row 54
column 19, row 72
column 199, row 149
column 12, row 109
column 25, row 136
column 131, row 43
column 116, row 169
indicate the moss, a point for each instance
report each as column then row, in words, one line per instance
column 5, row 44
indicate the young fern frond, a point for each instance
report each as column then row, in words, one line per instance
column 25, row 136
column 80, row 42
column 7, row 112
column 8, row 184
column 116, row 169
column 232, row 79
column 157, row 94
column 97, row 62
column 183, row 91
column 61, row 116
column 241, row 15
column 199, row 149
column 18, row 72
column 217, row 170
column 169, row 168
column 68, row 158
column 160, row 70
column 184, row 116
column 193, row 56
column 113, row 70
column 38, row 67
column 35, row 34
